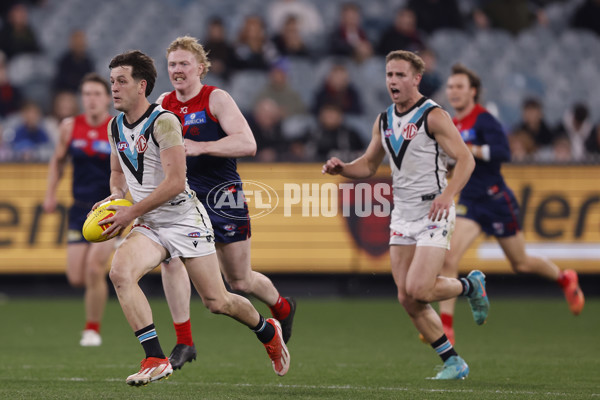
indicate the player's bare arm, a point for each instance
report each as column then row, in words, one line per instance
column 446, row 134
column 239, row 141
column 364, row 166
column 57, row 163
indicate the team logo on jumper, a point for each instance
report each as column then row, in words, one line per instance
column 194, row 119
column 409, row 131
column 122, row 146
column 141, row 144
column 468, row 135
column 183, row 110
column 101, row 146
column 228, row 199
column 388, row 133
column 92, row 134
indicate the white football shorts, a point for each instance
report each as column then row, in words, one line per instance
column 423, row 232
column 190, row 237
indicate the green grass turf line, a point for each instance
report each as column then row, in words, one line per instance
column 340, row 349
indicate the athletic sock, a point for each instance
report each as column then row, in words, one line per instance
column 467, row 287
column 264, row 330
column 562, row 280
column 149, row 340
column 92, row 326
column 281, row 309
column 444, row 348
column 184, row 333
column 447, row 319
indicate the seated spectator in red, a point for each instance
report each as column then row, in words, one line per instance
column 436, row 14
column 10, row 96
column 288, row 41
column 16, row 36
column 332, row 138
column 253, row 49
column 31, row 141
column 534, row 125
column 74, row 64
column 349, row 38
column 402, row 35
column 337, row 89
column 221, row 52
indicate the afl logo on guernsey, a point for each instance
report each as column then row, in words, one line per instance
column 409, row 131
column 388, row 133
column 142, row 144
column 122, row 146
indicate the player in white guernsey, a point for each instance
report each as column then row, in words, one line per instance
column 148, row 160
column 417, row 136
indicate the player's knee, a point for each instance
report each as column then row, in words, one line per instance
column 119, row 276
column 218, row 305
column 418, row 293
column 520, row 267
column 76, row 281
column 240, row 285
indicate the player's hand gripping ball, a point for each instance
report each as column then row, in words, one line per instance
column 92, row 232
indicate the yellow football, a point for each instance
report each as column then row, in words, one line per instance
column 92, row 232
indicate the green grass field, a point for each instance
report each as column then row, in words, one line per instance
column 341, row 349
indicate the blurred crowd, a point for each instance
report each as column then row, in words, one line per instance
column 287, row 127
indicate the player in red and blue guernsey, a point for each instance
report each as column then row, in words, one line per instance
column 83, row 140
column 216, row 133
column 486, row 203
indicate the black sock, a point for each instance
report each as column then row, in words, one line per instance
column 467, row 286
column 444, row 348
column 149, row 340
column 264, row 330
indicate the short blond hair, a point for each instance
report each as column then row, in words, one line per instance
column 415, row 61
column 192, row 45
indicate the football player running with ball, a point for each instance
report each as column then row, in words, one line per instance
column 148, row 160
column 83, row 141
column 418, row 135
column 216, row 133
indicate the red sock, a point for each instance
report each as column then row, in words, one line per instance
column 447, row 319
column 562, row 280
column 94, row 326
column 184, row 333
column 281, row 309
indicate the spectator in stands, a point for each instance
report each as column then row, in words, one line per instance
column 510, row 15
column 587, row 16
column 31, row 141
column 337, row 89
column 64, row 105
column 10, row 96
column 74, row 64
column 265, row 123
column 402, row 35
column 349, row 38
column 308, row 17
column 16, row 36
column 562, row 150
column 533, row 123
column 279, row 90
column 576, row 126
column 221, row 53
column 332, row 138
column 253, row 49
column 436, row 14
column 522, row 146
column 592, row 143
column 288, row 41
column 431, row 80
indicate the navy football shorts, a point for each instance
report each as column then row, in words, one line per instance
column 229, row 224
column 497, row 213
column 77, row 215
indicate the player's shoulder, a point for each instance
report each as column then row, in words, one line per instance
column 486, row 118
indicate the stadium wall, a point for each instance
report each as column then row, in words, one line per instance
column 306, row 222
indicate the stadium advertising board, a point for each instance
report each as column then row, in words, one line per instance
column 304, row 221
